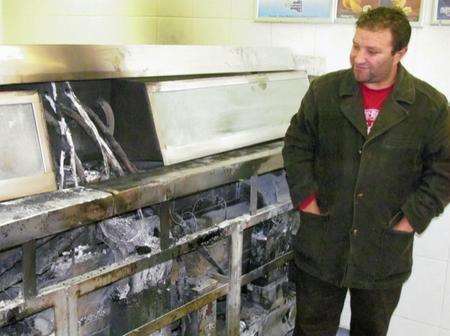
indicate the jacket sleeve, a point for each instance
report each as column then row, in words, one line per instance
column 299, row 151
column 433, row 193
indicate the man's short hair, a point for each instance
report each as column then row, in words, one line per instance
column 393, row 19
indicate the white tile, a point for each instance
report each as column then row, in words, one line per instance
column 333, row 42
column 444, row 220
column 243, row 9
column 431, row 46
column 212, row 9
column 16, row 8
column 211, row 31
column 300, row 38
column 422, row 295
column 400, row 326
column 140, row 30
column 175, row 30
column 93, row 7
column 448, row 254
column 346, row 314
column 444, row 332
column 102, row 30
column 445, row 317
column 435, row 241
column 178, row 8
column 249, row 33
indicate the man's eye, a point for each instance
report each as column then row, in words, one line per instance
column 372, row 52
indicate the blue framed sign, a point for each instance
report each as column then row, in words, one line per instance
column 441, row 12
column 294, row 10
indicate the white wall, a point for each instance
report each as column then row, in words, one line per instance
column 218, row 22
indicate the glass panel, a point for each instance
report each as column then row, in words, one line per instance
column 224, row 114
column 195, row 115
column 20, row 152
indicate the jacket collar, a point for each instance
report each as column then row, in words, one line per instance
column 349, row 85
column 393, row 111
column 404, row 86
column 403, row 90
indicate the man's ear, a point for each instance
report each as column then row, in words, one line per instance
column 399, row 54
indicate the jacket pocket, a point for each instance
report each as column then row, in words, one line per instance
column 397, row 252
column 403, row 155
column 310, row 238
column 400, row 143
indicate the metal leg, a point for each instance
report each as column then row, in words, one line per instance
column 165, row 225
column 66, row 313
column 253, row 194
column 72, row 303
column 234, row 295
column 29, row 269
column 61, row 314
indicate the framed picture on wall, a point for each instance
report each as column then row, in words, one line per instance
column 441, row 12
column 294, row 10
column 349, row 10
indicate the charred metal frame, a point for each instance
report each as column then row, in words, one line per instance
column 25, row 220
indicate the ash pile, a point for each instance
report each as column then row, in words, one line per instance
column 77, row 130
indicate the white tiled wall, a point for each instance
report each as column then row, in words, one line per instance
column 206, row 22
column 434, row 242
column 445, row 316
column 423, row 294
column 401, row 326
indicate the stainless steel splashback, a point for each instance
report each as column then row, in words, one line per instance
column 46, row 63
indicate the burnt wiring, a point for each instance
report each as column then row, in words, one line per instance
column 186, row 222
column 66, row 139
column 187, row 219
column 66, row 104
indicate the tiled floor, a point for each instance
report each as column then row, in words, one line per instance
column 341, row 332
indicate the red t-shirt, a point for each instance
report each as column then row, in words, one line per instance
column 373, row 102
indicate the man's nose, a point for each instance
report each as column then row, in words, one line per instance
column 359, row 57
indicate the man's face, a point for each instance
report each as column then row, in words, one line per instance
column 372, row 60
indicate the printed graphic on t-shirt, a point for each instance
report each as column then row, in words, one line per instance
column 371, row 115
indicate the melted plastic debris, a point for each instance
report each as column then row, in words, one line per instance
column 126, row 235
column 92, row 176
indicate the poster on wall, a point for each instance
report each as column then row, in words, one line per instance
column 294, row 10
column 351, row 9
column 441, row 12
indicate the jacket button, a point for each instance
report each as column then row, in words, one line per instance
column 360, row 195
column 360, row 151
column 355, row 232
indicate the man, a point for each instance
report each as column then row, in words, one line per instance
column 368, row 164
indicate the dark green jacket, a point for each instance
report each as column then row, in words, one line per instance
column 365, row 183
